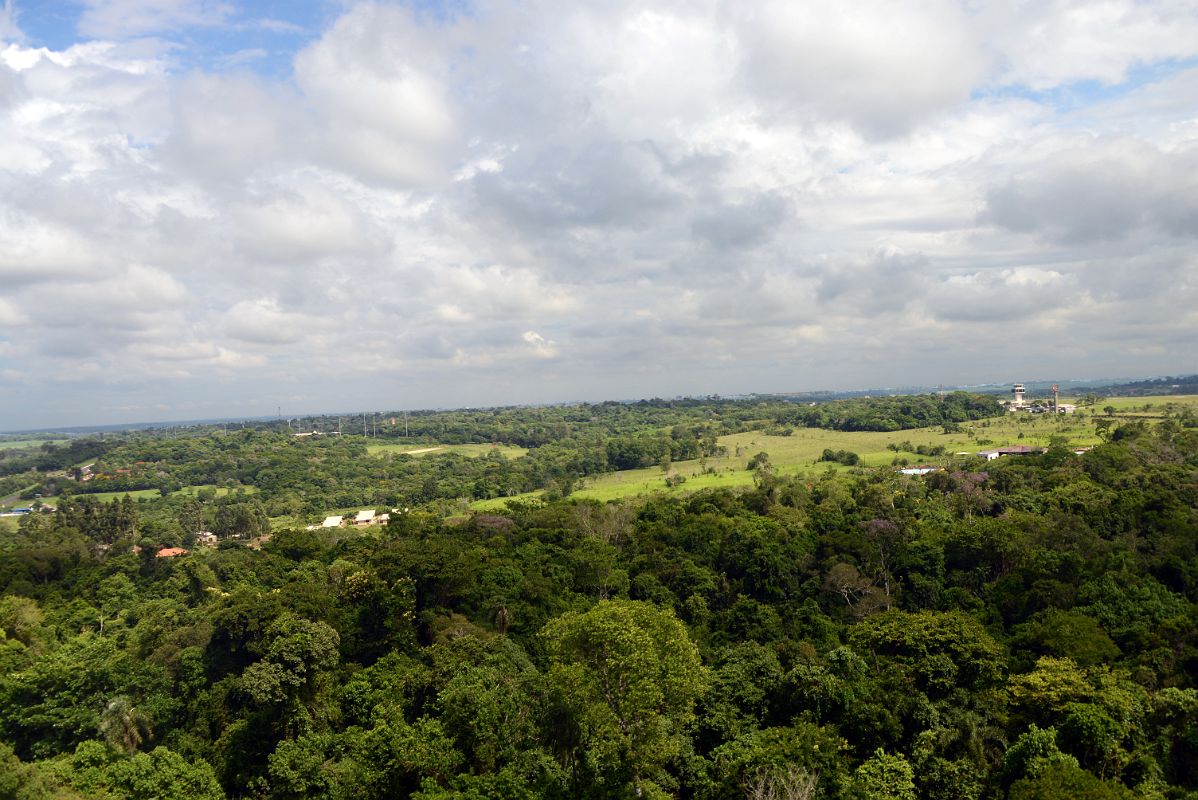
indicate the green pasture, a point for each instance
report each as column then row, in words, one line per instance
column 499, row 503
column 471, row 450
column 348, row 513
column 9, row 524
column 105, row 497
column 14, row 500
column 221, row 491
column 12, row 444
column 799, row 454
column 1150, row 406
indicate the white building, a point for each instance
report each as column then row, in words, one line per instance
column 1017, row 391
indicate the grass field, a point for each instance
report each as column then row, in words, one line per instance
column 278, row 523
column 472, row 450
column 798, row 454
column 1151, row 406
column 221, row 491
column 10, row 444
column 14, row 501
column 9, row 524
column 136, row 494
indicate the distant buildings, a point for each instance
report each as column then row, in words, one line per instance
column 361, row 519
column 1019, row 450
column 1019, row 402
column 1014, row 450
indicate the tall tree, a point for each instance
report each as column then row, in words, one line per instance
column 628, row 675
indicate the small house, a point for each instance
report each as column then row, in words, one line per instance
column 922, row 469
column 333, row 522
column 172, row 552
column 1020, row 450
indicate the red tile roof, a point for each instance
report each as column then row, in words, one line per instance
column 171, row 552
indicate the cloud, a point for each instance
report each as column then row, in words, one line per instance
column 9, row 30
column 1055, row 43
column 228, row 126
column 742, row 224
column 535, row 201
column 243, row 57
column 583, row 185
column 882, row 67
column 11, row 314
column 1099, row 190
column 32, row 251
column 378, row 93
column 122, row 19
column 888, row 280
column 540, row 346
column 262, row 321
column 300, row 224
column 1008, row 295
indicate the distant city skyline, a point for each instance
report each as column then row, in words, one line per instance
column 211, row 209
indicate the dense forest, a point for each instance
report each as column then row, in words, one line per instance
column 1023, row 628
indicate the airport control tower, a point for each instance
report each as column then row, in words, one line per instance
column 1018, row 391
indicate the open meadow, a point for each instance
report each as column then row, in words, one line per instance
column 219, row 491
column 136, row 494
column 12, row 444
column 471, row 450
column 1148, row 406
column 799, row 453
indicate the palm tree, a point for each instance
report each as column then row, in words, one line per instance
column 124, row 726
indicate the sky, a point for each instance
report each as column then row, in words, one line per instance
column 216, row 208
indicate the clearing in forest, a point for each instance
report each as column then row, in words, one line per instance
column 799, row 453
column 472, row 450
